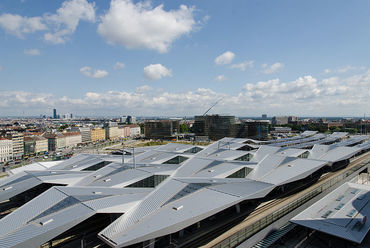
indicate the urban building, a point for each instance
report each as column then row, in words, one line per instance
column 279, row 120
column 85, row 134
column 18, row 146
column 97, row 134
column 215, row 126
column 264, row 116
column 164, row 129
column 130, row 119
column 55, row 116
column 6, row 149
column 56, row 141
column 73, row 138
column 35, row 145
column 135, row 130
column 112, row 132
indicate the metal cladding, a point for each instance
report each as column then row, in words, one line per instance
column 161, row 190
column 341, row 213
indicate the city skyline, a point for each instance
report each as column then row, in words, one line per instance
column 177, row 58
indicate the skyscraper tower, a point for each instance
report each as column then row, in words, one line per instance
column 55, row 114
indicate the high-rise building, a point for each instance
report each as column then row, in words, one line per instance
column 131, row 119
column 55, row 116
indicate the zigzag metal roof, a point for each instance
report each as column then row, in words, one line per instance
column 180, row 195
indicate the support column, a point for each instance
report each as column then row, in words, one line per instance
column 237, row 206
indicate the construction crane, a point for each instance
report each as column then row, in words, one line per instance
column 212, row 106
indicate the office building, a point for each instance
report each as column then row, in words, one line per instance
column 35, row 145
column 56, row 141
column 55, row 116
column 164, row 129
column 73, row 138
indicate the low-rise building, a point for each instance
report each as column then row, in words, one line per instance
column 6, row 149
column 73, row 138
column 85, row 133
column 97, row 134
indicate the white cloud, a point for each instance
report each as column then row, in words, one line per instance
column 143, row 88
column 243, row 66
column 87, row 71
column 59, row 26
column 225, row 58
column 18, row 25
column 65, row 21
column 304, row 96
column 274, row 68
column 32, row 52
column 345, row 69
column 327, row 71
column 119, row 65
column 220, row 78
column 141, row 25
column 156, row 72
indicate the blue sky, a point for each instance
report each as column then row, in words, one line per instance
column 122, row 57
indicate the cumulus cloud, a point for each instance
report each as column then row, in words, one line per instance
column 119, row 65
column 88, row 71
column 274, row 68
column 305, row 96
column 19, row 25
column 225, row 58
column 66, row 19
column 144, row 88
column 243, row 66
column 59, row 26
column 141, row 25
column 156, row 72
column 220, row 78
column 32, row 52
column 345, row 69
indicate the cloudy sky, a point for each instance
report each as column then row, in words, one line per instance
column 150, row 58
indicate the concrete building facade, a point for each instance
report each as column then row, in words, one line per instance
column 73, row 139
column 18, row 146
column 161, row 129
column 6, row 149
column 97, row 134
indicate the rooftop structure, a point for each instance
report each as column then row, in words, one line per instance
column 154, row 191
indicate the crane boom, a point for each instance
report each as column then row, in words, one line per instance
column 212, row 106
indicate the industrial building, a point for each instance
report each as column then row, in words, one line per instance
column 156, row 195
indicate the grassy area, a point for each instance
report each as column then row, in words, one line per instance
column 151, row 143
column 3, row 174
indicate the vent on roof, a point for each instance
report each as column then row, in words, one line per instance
column 304, row 155
column 326, row 215
column 354, row 191
column 340, row 198
column 242, row 173
column 149, row 182
column 339, row 206
column 351, row 213
column 176, row 160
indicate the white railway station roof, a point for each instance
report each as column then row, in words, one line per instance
column 161, row 190
column 341, row 213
